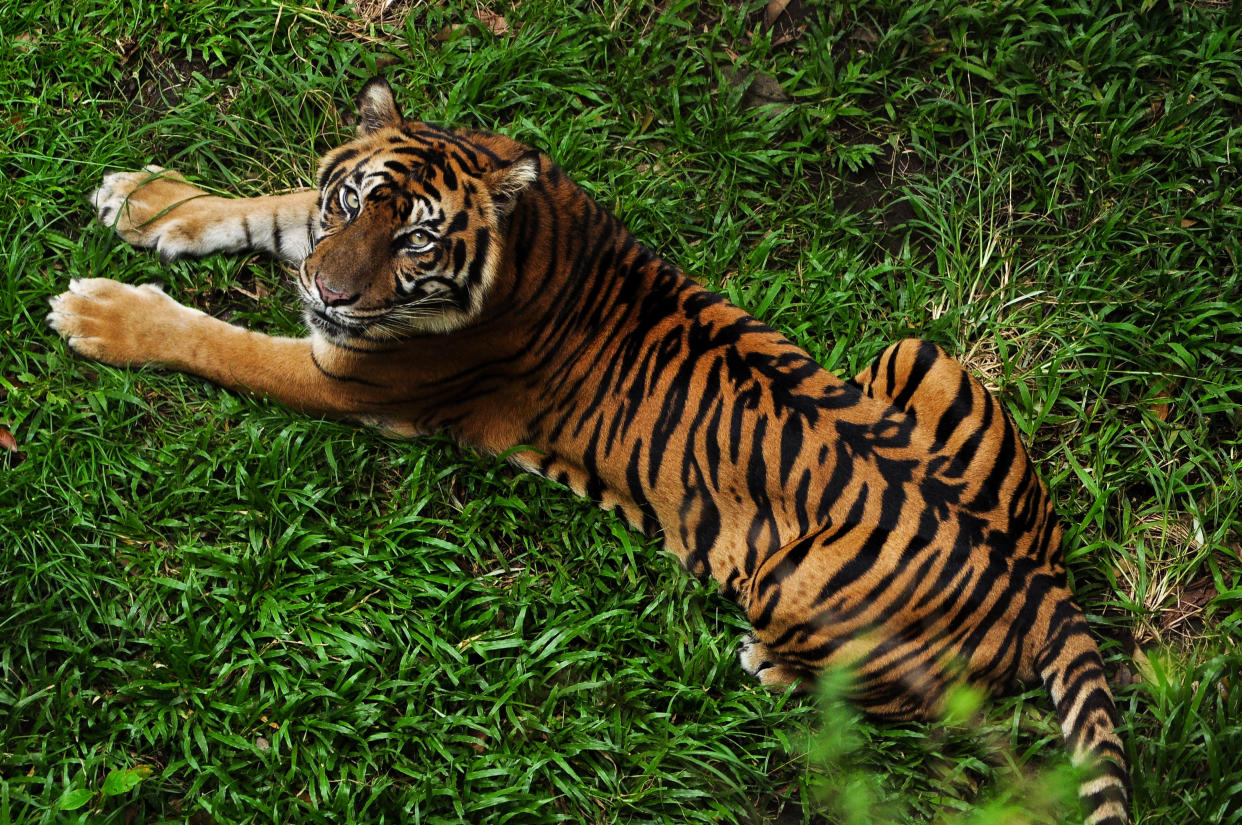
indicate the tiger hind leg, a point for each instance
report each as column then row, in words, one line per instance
column 881, row 698
column 158, row 209
column 798, row 633
column 771, row 672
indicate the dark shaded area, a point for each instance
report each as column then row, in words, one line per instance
column 875, row 190
column 154, row 84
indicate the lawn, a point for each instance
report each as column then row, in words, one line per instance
column 213, row 610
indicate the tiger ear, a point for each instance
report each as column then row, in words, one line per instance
column 511, row 180
column 376, row 107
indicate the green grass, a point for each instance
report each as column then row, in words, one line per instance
column 214, row 610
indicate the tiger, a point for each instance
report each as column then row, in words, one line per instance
column 459, row 282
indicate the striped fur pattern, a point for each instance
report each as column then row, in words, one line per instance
column 460, row 282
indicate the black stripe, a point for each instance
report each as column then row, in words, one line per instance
column 966, row 453
column 482, row 239
column 790, row 445
column 398, row 167
column 343, row 157
column 890, row 380
column 988, row 495
column 367, row 350
column 923, row 362
column 336, row 377
column 276, row 244
column 955, row 413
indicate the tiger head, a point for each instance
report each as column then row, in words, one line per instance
column 411, row 225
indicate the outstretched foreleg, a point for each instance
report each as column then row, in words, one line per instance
column 134, row 326
column 158, row 209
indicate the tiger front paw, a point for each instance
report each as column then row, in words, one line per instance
column 121, row 324
column 155, row 208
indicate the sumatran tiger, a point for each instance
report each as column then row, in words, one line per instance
column 459, row 282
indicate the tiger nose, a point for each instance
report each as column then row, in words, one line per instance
column 331, row 297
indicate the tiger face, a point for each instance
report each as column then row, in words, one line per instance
column 409, row 231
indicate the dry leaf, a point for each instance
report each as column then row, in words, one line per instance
column 1162, row 409
column 128, row 47
column 864, row 35
column 763, row 89
column 786, row 20
column 495, row 23
column 1163, row 399
column 260, row 291
column 1189, row 222
column 7, row 441
column 773, row 10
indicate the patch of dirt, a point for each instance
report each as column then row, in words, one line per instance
column 873, row 189
column 385, row 12
column 1224, row 424
column 784, row 807
column 1175, row 608
column 154, row 84
column 1184, row 617
column 394, row 14
column 247, row 295
column 785, row 19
